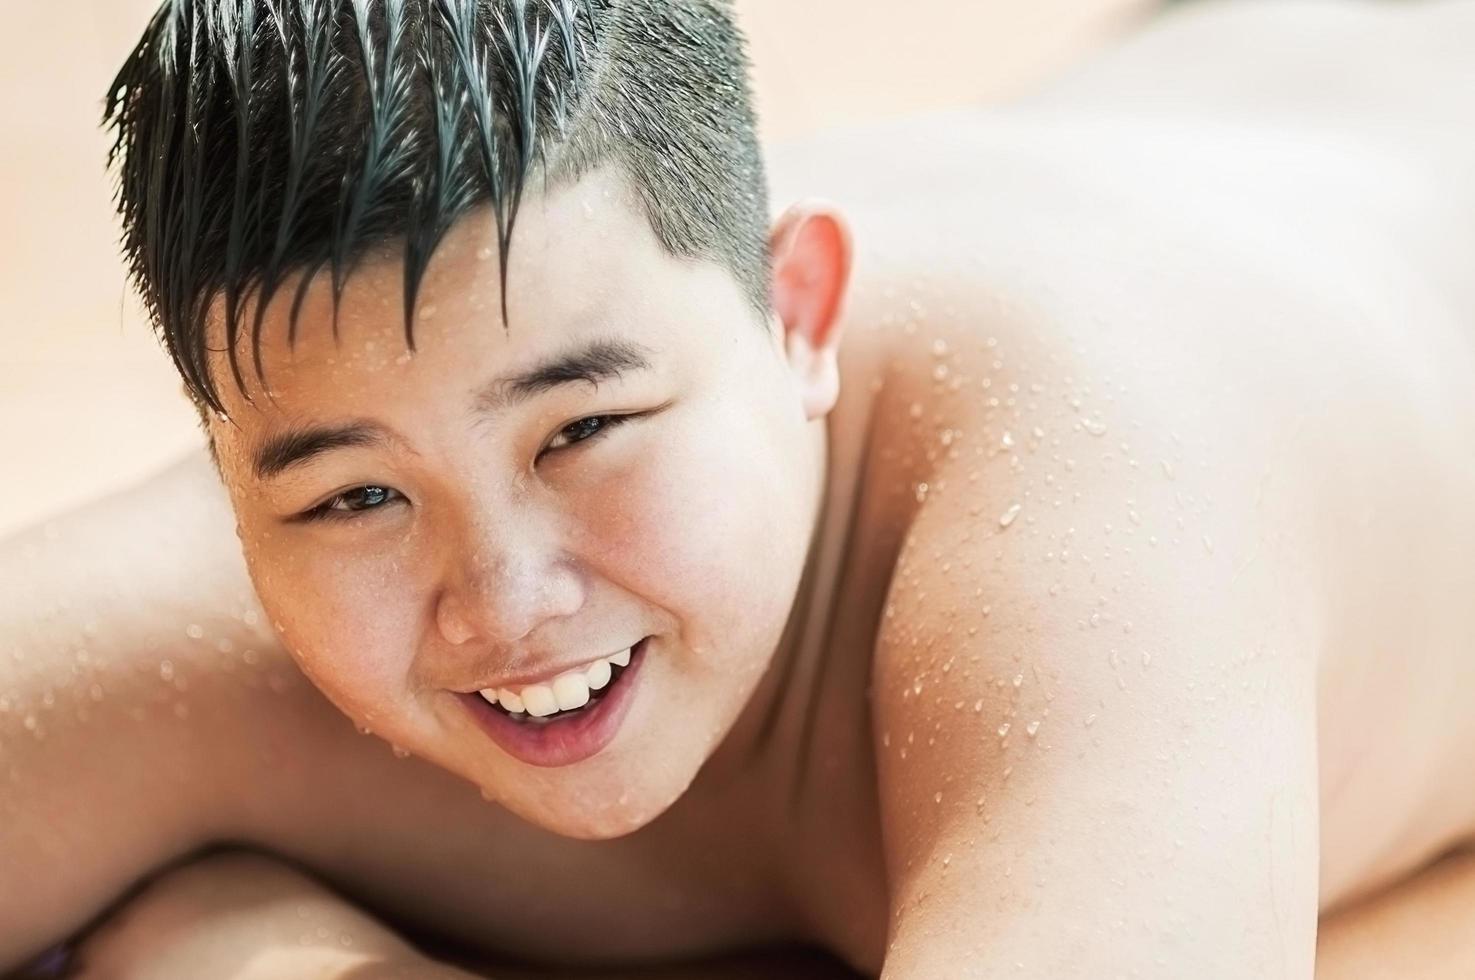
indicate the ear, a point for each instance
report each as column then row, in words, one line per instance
column 809, row 249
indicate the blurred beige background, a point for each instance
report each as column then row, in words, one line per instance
column 89, row 403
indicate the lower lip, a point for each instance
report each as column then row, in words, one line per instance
column 567, row 740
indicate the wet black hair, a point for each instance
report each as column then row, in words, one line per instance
column 260, row 141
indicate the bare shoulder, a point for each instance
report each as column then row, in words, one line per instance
column 1092, row 618
column 125, row 623
column 1151, row 510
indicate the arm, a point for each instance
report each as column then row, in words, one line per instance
column 1097, row 754
column 121, row 625
column 242, row 916
column 1418, row 929
column 246, row 917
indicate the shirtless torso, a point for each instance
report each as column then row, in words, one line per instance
column 1269, row 251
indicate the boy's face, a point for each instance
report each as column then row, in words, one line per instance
column 467, row 538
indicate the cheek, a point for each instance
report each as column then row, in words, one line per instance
column 704, row 527
column 349, row 623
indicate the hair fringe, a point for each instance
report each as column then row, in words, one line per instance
column 265, row 144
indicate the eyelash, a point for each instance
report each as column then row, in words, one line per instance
column 327, row 512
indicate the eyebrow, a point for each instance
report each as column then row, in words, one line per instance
column 297, row 446
column 600, row 359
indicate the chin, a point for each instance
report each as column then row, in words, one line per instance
column 591, row 813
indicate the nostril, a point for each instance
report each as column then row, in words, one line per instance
column 453, row 627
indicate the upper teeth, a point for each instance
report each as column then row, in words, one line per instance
column 569, row 689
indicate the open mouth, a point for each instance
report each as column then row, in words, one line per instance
column 563, row 737
column 595, row 697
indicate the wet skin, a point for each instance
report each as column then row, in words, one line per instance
column 1108, row 525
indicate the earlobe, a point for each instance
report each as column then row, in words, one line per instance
column 819, row 373
column 810, row 250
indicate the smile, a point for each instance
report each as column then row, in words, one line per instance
column 562, row 736
column 569, row 691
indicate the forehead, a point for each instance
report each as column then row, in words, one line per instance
column 584, row 267
column 583, row 260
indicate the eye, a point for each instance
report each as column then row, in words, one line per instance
column 586, row 430
column 349, row 503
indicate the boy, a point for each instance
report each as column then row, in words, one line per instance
column 1053, row 642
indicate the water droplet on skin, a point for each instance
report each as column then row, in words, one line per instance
column 166, row 671
column 1018, row 680
column 1032, row 729
column 1004, row 730
column 939, row 348
column 1136, row 518
column 1007, row 518
column 1168, row 470
column 400, row 752
column 30, row 723
column 194, row 631
column 1094, row 426
column 1090, row 720
column 1208, row 544
column 936, row 797
column 915, row 410
column 1008, row 440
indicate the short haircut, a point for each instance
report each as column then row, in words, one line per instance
column 262, row 141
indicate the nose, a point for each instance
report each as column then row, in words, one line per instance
column 504, row 585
